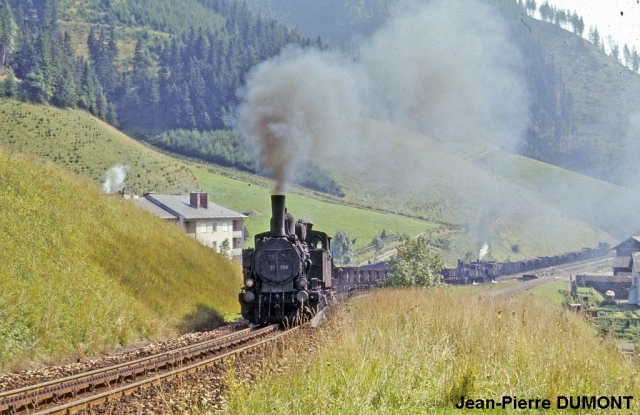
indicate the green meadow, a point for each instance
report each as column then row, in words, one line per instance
column 361, row 224
column 419, row 351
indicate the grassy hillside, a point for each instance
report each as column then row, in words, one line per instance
column 494, row 196
column 82, row 271
column 602, row 87
column 604, row 100
column 87, row 146
column 434, row 347
column 521, row 207
column 362, row 225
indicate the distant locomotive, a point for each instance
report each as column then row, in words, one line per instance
column 288, row 274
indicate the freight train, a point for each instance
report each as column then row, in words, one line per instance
column 288, row 275
column 485, row 271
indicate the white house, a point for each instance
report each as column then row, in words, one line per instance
column 207, row 222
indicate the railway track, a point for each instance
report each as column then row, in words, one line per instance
column 82, row 391
column 79, row 392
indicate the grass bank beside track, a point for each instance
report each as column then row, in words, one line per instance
column 416, row 351
column 82, row 272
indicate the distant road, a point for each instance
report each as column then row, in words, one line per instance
column 565, row 270
column 551, row 274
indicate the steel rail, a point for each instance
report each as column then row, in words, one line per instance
column 33, row 395
column 125, row 390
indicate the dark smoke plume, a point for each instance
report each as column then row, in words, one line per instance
column 446, row 69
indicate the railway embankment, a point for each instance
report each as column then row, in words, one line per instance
column 84, row 273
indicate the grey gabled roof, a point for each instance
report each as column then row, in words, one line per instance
column 621, row 262
column 155, row 209
column 633, row 238
column 179, row 205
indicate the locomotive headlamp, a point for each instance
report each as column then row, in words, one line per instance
column 248, row 283
column 302, row 296
column 249, row 297
column 302, row 283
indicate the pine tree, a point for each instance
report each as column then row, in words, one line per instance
column 626, row 54
column 37, row 88
column 594, row 37
column 10, row 86
column 546, row 13
column 577, row 23
column 9, row 35
column 65, row 94
column 530, row 7
column 635, row 60
column 614, row 49
column 103, row 52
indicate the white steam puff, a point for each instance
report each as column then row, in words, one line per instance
column 446, row 69
column 483, row 251
column 115, row 178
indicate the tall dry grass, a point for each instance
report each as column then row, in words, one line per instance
column 415, row 351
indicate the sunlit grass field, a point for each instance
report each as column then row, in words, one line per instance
column 418, row 352
column 361, row 225
column 82, row 272
column 83, row 144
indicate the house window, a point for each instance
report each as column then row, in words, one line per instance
column 214, row 245
column 201, row 226
column 224, row 226
column 211, row 226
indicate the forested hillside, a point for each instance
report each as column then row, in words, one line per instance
column 184, row 64
column 337, row 21
column 168, row 72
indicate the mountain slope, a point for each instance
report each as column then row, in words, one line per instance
column 583, row 104
column 521, row 207
column 338, row 22
column 88, row 146
column 605, row 100
column 82, row 271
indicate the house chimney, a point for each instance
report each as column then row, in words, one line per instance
column 204, row 200
column 194, row 199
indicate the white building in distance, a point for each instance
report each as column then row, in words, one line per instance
column 207, row 222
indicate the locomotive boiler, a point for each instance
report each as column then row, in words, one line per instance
column 287, row 275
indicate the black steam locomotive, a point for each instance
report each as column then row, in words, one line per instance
column 287, row 276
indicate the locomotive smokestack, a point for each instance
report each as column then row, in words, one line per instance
column 277, row 215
